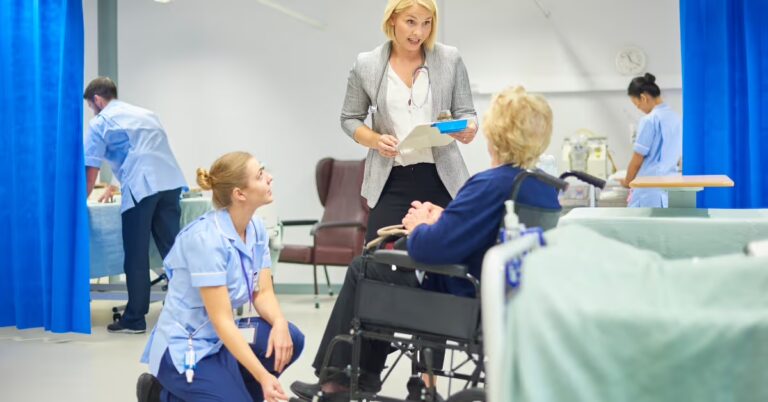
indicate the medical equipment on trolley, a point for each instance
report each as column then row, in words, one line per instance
column 586, row 152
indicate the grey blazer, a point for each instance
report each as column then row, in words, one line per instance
column 450, row 90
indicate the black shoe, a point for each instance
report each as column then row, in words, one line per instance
column 418, row 391
column 416, row 388
column 148, row 388
column 119, row 327
column 333, row 397
column 312, row 391
column 305, row 391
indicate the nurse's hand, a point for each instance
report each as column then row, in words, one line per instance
column 624, row 183
column 281, row 344
column 387, row 146
column 273, row 391
column 466, row 136
column 108, row 194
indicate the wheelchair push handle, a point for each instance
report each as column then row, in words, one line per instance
column 585, row 177
column 540, row 175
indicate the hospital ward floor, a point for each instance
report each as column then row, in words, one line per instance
column 40, row 366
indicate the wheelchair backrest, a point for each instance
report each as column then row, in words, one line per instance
column 532, row 216
column 529, row 215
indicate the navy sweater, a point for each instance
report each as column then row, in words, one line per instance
column 469, row 226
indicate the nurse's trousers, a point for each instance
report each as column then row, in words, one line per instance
column 219, row 377
column 158, row 215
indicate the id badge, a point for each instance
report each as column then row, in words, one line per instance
column 247, row 327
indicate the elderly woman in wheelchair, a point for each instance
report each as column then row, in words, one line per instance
column 428, row 301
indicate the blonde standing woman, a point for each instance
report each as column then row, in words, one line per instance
column 220, row 262
column 403, row 83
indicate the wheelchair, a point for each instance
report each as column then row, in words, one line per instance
column 442, row 324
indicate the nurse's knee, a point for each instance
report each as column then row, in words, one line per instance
column 297, row 337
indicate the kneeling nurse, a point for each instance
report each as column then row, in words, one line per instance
column 219, row 262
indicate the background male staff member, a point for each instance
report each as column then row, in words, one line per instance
column 134, row 143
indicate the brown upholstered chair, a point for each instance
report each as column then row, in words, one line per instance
column 338, row 237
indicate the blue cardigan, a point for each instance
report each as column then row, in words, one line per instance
column 469, row 226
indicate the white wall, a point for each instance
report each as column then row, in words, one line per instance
column 568, row 56
column 235, row 74
column 91, row 51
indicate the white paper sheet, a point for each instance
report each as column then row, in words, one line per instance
column 423, row 136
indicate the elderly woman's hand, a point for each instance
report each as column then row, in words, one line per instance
column 387, row 146
column 466, row 136
column 421, row 213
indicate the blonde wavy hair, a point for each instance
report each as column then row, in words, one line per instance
column 518, row 126
column 398, row 6
column 227, row 173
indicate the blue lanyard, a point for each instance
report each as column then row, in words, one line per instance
column 248, row 284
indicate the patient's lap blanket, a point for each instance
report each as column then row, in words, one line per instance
column 676, row 232
column 599, row 320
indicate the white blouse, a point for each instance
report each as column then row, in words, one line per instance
column 405, row 117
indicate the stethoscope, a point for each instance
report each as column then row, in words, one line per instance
column 422, row 69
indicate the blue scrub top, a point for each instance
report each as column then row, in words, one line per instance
column 208, row 252
column 134, row 143
column 660, row 142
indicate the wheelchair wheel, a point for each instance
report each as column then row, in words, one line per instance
column 468, row 395
column 116, row 317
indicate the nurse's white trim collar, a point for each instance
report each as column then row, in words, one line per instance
column 223, row 222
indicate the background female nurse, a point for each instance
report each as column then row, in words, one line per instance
column 659, row 144
column 220, row 262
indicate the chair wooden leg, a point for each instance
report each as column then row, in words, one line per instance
column 314, row 274
column 328, row 280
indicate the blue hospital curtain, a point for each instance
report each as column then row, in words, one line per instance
column 725, row 98
column 43, row 217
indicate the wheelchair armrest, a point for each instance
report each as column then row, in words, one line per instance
column 337, row 224
column 299, row 222
column 401, row 259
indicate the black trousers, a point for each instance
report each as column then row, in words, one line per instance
column 160, row 216
column 419, row 182
column 374, row 352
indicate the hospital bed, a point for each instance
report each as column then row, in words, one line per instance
column 676, row 232
column 106, row 238
column 106, row 247
column 597, row 319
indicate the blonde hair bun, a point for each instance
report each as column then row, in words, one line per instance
column 204, row 179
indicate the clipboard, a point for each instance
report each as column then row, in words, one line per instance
column 431, row 135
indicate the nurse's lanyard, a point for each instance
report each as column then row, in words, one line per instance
column 251, row 285
column 190, row 361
